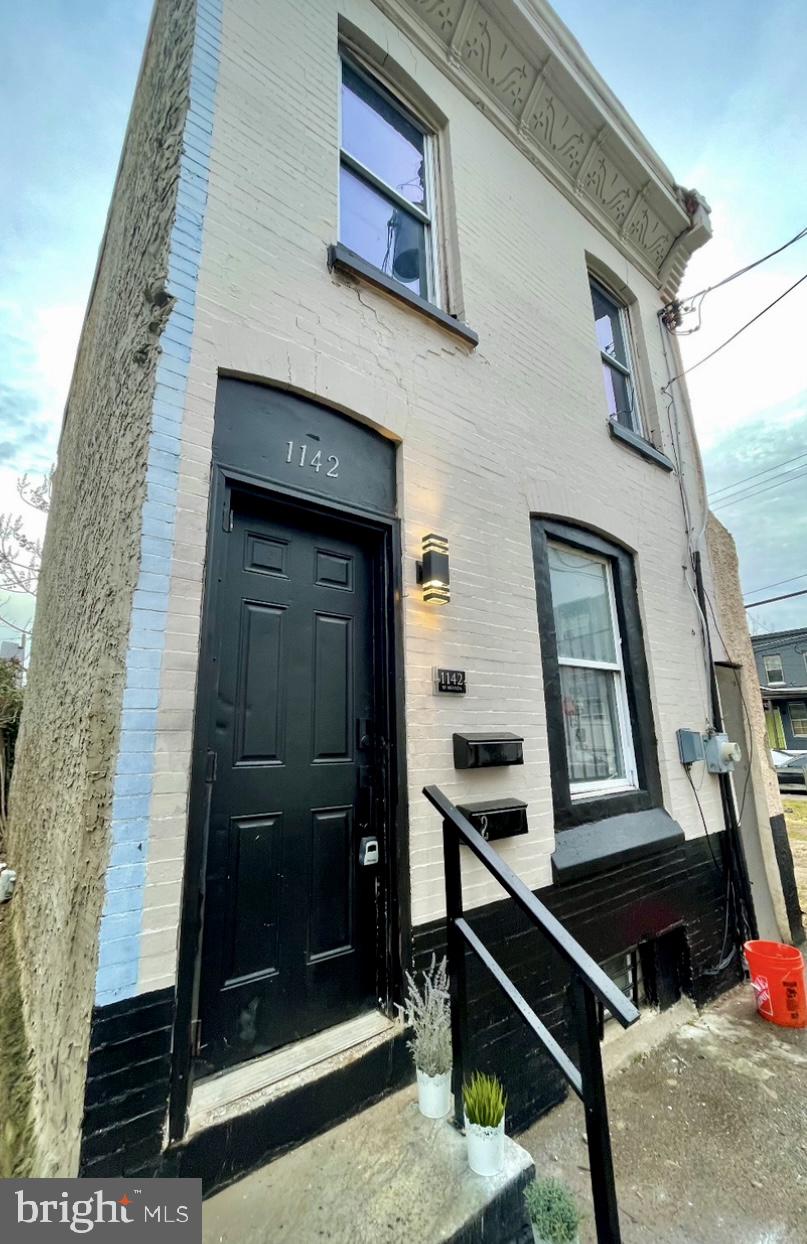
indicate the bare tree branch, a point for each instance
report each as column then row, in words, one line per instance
column 36, row 495
column 20, row 555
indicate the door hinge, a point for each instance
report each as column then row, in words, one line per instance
column 211, row 766
column 227, row 516
column 196, row 1037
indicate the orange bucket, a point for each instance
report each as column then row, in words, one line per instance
column 780, row 985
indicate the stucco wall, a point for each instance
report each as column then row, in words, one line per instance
column 62, row 789
column 486, row 437
column 728, row 617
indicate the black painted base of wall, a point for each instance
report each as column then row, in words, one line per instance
column 128, row 1082
column 784, row 858
column 220, row 1155
column 126, row 1102
column 680, row 892
column 672, row 906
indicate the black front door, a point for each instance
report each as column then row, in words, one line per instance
column 289, row 939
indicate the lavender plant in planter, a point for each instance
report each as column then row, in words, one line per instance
column 485, row 1102
column 552, row 1211
column 428, row 1012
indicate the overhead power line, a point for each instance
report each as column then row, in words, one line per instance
column 734, row 336
column 777, row 583
column 742, row 271
column 757, row 489
column 760, row 485
column 772, row 599
column 747, row 478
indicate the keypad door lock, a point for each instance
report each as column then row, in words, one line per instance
column 368, row 852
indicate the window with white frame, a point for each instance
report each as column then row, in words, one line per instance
column 596, row 718
column 618, row 370
column 386, row 183
column 798, row 718
column 774, row 672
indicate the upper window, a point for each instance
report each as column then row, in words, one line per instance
column 386, row 197
column 613, row 338
column 798, row 718
column 596, row 720
column 774, row 673
column 599, row 716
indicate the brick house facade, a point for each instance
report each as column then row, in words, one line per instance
column 277, row 390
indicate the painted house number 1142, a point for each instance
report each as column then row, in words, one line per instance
column 299, row 455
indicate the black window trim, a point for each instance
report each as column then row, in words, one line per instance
column 570, row 813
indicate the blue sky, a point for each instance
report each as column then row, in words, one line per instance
column 718, row 88
column 720, row 91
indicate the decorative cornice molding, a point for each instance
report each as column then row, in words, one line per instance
column 521, row 66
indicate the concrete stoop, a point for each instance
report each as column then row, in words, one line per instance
column 386, row 1176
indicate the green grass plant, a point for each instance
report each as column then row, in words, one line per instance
column 484, row 1100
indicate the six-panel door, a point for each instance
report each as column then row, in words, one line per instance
column 289, row 940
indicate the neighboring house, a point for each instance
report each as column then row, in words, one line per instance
column 781, row 659
column 380, row 286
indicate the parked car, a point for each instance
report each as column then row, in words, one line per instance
column 791, row 770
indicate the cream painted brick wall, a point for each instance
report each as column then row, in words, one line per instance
column 488, row 436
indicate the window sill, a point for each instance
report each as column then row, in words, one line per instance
column 604, row 845
column 344, row 260
column 639, row 445
column 600, row 792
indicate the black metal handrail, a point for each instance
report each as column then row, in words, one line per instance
column 589, row 985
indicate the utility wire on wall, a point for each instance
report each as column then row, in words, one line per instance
column 734, row 897
column 672, row 312
column 734, row 336
column 760, row 482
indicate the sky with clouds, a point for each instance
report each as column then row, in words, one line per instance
column 720, row 91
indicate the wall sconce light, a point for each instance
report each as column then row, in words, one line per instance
column 432, row 572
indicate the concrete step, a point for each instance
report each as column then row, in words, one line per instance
column 386, row 1176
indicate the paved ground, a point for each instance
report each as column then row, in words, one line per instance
column 710, row 1135
column 795, row 807
column 386, row 1176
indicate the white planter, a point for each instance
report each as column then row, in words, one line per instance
column 485, row 1147
column 434, row 1094
column 539, row 1239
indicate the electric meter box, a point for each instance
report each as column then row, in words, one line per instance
column 720, row 753
column 690, row 746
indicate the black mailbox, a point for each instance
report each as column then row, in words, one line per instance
column 497, row 818
column 478, row 751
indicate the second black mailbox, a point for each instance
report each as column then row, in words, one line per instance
column 497, row 818
column 479, row 751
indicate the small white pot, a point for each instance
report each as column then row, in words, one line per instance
column 485, row 1147
column 434, row 1094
